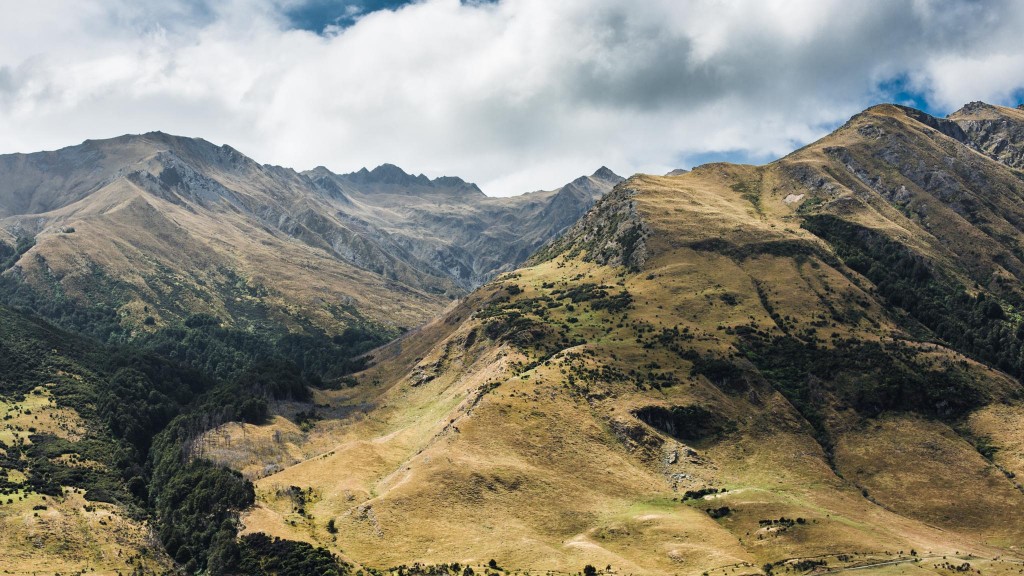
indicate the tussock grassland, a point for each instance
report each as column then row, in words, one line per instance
column 65, row 534
column 702, row 377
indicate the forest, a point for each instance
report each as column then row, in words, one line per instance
column 146, row 399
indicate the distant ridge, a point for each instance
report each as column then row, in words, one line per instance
column 169, row 226
column 393, row 178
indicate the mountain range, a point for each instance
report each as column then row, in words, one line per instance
column 156, row 228
column 805, row 366
column 810, row 366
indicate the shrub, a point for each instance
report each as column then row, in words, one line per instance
column 717, row 513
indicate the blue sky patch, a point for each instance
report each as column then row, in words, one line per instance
column 1017, row 98
column 316, row 15
column 899, row 90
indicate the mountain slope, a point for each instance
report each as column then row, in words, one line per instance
column 97, row 468
column 63, row 504
column 156, row 228
column 165, row 227
column 811, row 363
column 451, row 226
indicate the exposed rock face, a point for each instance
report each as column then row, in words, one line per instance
column 995, row 131
column 612, row 234
column 940, row 177
column 390, row 179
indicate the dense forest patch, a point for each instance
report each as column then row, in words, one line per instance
column 982, row 326
column 144, row 403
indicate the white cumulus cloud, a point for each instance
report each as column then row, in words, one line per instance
column 515, row 95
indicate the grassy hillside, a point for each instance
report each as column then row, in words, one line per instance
column 203, row 289
column 153, row 263
column 63, row 504
column 99, row 469
column 812, row 365
column 154, row 228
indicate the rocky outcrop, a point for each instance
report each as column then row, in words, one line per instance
column 613, row 234
column 995, row 131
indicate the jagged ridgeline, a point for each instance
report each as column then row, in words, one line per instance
column 149, row 230
column 813, row 364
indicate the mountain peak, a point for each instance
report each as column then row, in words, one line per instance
column 976, row 106
column 996, row 131
column 454, row 182
column 984, row 111
column 883, row 108
column 389, row 172
column 172, row 139
column 604, row 173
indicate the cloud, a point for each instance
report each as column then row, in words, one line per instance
column 515, row 95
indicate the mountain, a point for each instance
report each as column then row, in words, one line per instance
column 995, row 131
column 153, row 229
column 201, row 288
column 812, row 365
column 450, row 225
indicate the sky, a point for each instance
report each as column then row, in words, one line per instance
column 515, row 95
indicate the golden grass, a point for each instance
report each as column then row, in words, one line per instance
column 67, row 534
column 1002, row 426
column 72, row 535
column 537, row 478
column 173, row 260
column 465, row 453
column 37, row 412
